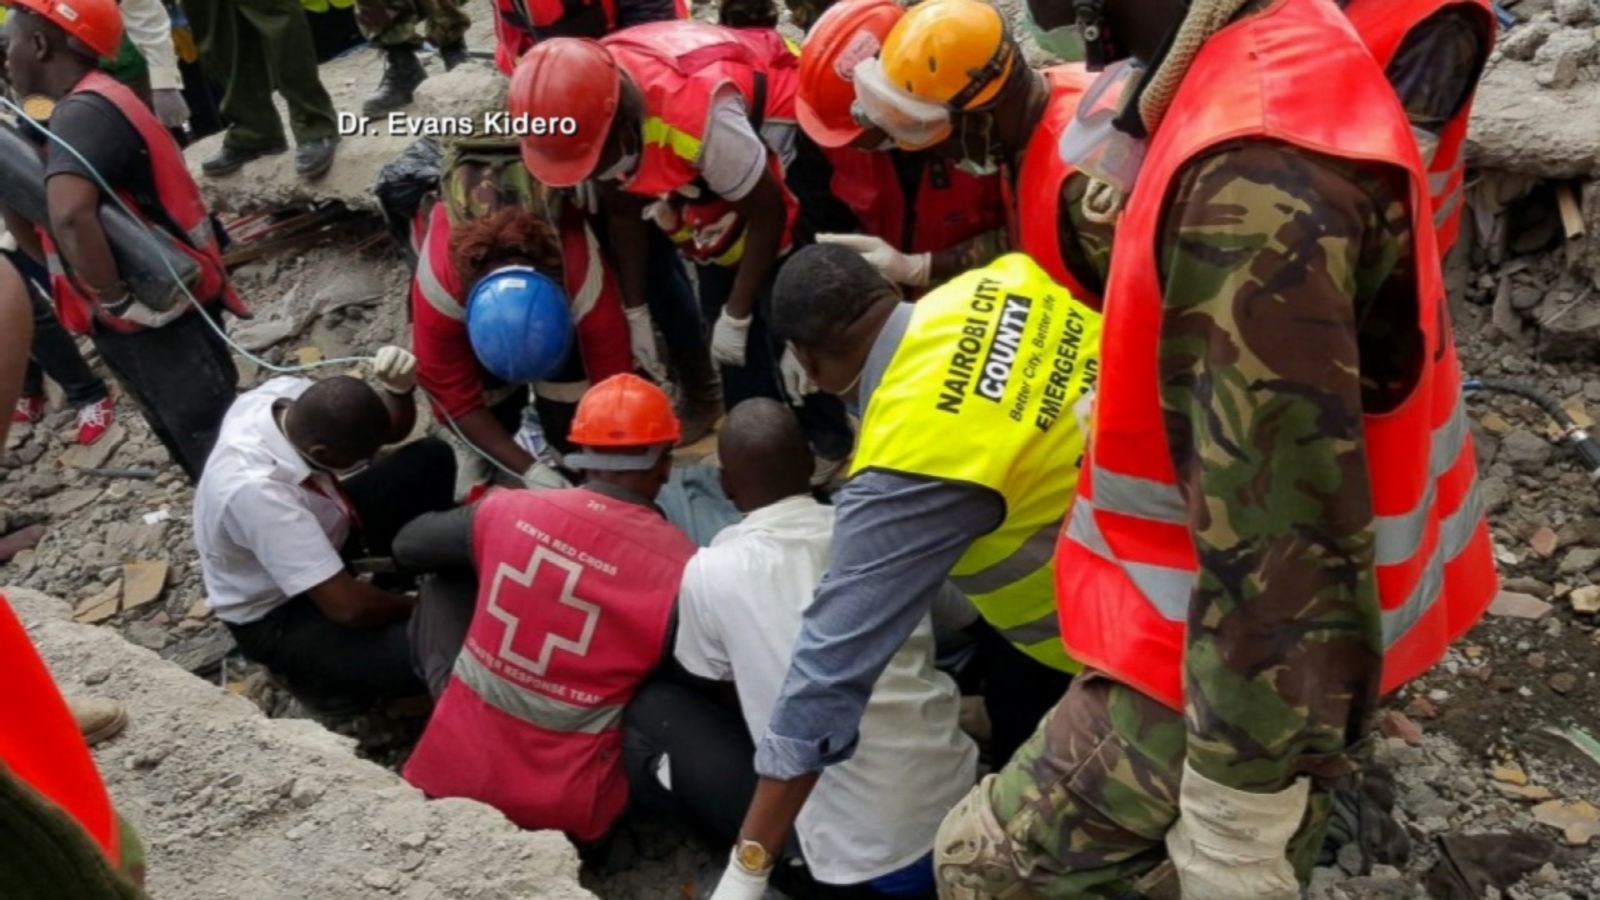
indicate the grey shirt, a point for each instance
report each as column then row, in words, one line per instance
column 896, row 537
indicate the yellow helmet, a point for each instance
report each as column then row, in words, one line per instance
column 955, row 52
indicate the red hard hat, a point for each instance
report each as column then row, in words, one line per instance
column 565, row 79
column 624, row 411
column 97, row 24
column 850, row 31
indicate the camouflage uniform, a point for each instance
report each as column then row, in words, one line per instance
column 393, row 23
column 1267, row 251
column 1085, row 244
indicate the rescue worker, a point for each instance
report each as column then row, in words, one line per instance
column 174, row 364
column 1278, row 518
column 698, row 119
column 968, row 457
column 1008, row 118
column 254, row 48
column 924, row 218
column 1433, row 52
column 576, row 590
column 392, row 26
column 519, row 24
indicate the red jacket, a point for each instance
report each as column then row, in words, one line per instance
column 446, row 366
column 1126, row 566
column 575, row 595
column 178, row 195
column 1041, row 175
column 1383, row 26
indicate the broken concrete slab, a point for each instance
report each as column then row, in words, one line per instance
column 1544, row 131
column 100, row 606
column 97, row 454
column 1513, row 605
column 142, row 582
column 211, row 785
column 68, row 502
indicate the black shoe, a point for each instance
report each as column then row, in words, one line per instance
column 402, row 72
column 313, row 158
column 454, row 56
column 231, row 159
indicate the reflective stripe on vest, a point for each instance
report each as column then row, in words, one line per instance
column 1397, row 537
column 658, row 133
column 433, row 291
column 539, row 709
column 1293, row 73
column 981, row 391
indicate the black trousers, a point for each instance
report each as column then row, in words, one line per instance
column 327, row 663
column 1017, row 691
column 182, row 378
column 54, row 353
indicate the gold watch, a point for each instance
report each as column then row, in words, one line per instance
column 752, row 857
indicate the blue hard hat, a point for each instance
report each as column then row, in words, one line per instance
column 519, row 324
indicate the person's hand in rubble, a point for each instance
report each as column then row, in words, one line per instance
column 395, row 370
column 912, row 269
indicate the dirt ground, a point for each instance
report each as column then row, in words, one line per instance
column 1490, row 742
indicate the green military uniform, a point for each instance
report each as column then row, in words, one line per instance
column 254, row 47
column 1082, row 809
column 393, row 23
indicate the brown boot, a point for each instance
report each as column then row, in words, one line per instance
column 98, row 719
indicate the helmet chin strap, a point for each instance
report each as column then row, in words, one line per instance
column 1097, row 50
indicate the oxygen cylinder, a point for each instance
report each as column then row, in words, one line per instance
column 138, row 251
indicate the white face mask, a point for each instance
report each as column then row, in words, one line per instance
column 621, row 169
column 979, row 169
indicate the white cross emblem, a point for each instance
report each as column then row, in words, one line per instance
column 552, row 641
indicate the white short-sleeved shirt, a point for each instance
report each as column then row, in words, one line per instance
column 732, row 156
column 740, row 610
column 267, row 525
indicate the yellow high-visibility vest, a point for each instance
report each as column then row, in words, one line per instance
column 983, row 389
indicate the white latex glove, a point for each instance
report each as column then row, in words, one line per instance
column 737, row 884
column 1232, row 845
column 913, row 269
column 728, row 339
column 796, row 383
column 170, row 107
column 642, row 335
column 662, row 213
column 395, row 369
column 541, row 477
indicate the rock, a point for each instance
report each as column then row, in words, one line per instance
column 68, row 502
column 306, row 791
column 136, row 538
column 1531, row 792
column 1525, row 452
column 1563, row 682
column 1512, row 605
column 1562, row 57
column 1543, row 541
column 1525, row 585
column 1422, row 708
column 1574, row 12
column 98, row 675
column 1394, row 724
column 203, row 651
column 143, row 582
column 1577, row 820
column 1579, row 560
column 308, row 356
column 95, row 455
column 302, row 831
column 147, row 635
column 99, row 607
column 1511, row 774
column 1585, row 599
column 1350, row 858
column 413, row 840
column 381, row 879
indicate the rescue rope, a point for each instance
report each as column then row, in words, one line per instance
column 215, row 326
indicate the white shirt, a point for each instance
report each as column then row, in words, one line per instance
column 149, row 27
column 732, row 156
column 739, row 614
column 267, row 525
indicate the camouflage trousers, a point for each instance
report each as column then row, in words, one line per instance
column 1082, row 809
column 393, row 23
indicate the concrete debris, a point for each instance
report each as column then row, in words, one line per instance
column 214, row 789
column 1512, row 605
column 1543, row 542
column 1579, row 560
column 143, row 582
column 1585, row 599
column 1511, row 774
column 98, row 453
column 1577, row 820
column 1395, row 724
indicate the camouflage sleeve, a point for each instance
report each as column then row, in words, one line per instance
column 1438, row 64
column 972, row 253
column 1085, row 243
column 1271, row 260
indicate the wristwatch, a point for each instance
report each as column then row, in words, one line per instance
column 752, row 857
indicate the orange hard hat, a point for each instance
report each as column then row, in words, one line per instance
column 624, row 411
column 850, row 31
column 97, row 24
column 569, row 89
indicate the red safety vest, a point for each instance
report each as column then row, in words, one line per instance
column 178, row 195
column 950, row 206
column 40, row 743
column 1383, row 26
column 1295, row 73
column 1041, row 174
column 515, row 20
column 575, row 594
column 446, row 366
